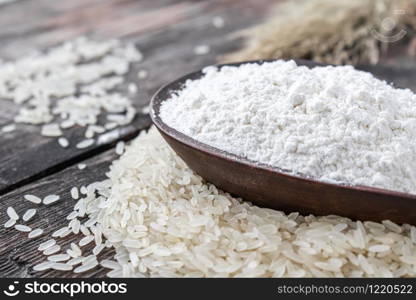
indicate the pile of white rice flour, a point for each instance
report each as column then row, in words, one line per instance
column 165, row 221
column 330, row 123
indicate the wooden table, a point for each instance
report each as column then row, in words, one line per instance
column 166, row 31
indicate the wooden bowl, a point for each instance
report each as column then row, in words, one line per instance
column 270, row 187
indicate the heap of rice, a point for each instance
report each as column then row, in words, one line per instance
column 165, row 221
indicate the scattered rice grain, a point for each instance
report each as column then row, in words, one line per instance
column 35, row 233
column 29, row 214
column 75, row 193
column 120, row 148
column 85, row 144
column 142, row 74
column 52, row 250
column 50, row 199
column 61, row 267
column 11, row 212
column 82, row 166
column 22, row 228
column 43, row 266
column 86, row 240
column 46, row 245
column 63, row 142
column 9, row 223
column 33, row 199
column 51, row 130
column 202, row 49
column 8, row 128
column 59, row 257
column 84, row 268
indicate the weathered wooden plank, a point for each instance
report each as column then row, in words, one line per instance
column 17, row 253
column 48, row 22
column 168, row 54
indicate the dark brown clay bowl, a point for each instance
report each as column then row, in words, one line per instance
column 270, row 187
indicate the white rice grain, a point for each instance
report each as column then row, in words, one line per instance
column 59, row 257
column 9, row 223
column 120, row 148
column 33, row 199
column 142, row 74
column 82, row 166
column 29, row 214
column 379, row 248
column 392, row 226
column 110, row 264
column 132, row 88
column 46, row 245
column 52, row 250
column 86, row 240
column 43, row 266
column 413, row 234
column 67, row 124
column 75, row 193
column 84, row 268
column 8, row 128
column 75, row 261
column 72, row 253
column 85, row 144
column 60, row 231
column 63, row 142
column 72, row 215
column 51, row 130
column 146, row 110
column 51, row 199
column 22, row 228
column 11, row 212
column 202, row 49
column 110, row 125
column 61, row 267
column 35, row 233
column 75, row 225
column 218, row 22
column 84, row 230
column 76, row 249
column 97, row 249
column 83, row 190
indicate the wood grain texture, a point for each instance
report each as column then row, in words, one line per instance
column 18, row 253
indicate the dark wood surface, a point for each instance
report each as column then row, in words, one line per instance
column 166, row 31
column 17, row 252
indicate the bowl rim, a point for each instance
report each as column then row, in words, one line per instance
column 173, row 86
